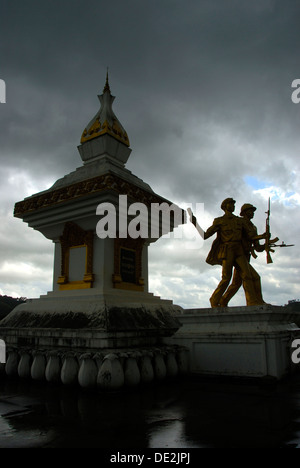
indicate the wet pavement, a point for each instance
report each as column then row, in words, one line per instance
column 177, row 414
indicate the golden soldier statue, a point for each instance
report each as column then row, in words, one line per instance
column 228, row 250
column 250, row 246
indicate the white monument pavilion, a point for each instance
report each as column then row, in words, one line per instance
column 100, row 299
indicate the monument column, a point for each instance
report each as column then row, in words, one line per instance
column 100, row 277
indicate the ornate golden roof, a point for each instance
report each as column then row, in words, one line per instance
column 105, row 121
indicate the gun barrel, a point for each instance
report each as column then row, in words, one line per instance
column 268, row 235
column 283, row 245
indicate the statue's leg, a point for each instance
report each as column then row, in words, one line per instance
column 233, row 288
column 248, row 283
column 257, row 284
column 227, row 267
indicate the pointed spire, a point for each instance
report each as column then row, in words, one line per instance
column 106, row 87
column 105, row 121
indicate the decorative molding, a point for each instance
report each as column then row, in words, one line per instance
column 97, row 129
column 105, row 182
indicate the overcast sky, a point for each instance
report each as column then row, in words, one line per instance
column 203, row 89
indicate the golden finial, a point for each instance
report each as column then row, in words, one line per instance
column 106, row 87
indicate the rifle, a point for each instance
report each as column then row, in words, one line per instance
column 270, row 243
column 283, row 244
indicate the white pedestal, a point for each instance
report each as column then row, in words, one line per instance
column 114, row 319
column 94, row 339
column 239, row 341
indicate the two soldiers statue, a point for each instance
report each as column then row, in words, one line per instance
column 237, row 239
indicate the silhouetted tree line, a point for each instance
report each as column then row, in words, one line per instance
column 7, row 304
column 293, row 304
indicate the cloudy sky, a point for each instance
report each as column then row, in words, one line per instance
column 203, row 88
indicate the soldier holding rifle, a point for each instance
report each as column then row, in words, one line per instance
column 250, row 246
column 236, row 241
column 228, row 250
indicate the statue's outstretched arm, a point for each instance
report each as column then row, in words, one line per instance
column 204, row 234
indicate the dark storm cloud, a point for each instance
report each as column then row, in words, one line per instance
column 203, row 89
column 224, row 61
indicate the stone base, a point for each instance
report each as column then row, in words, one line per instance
column 239, row 341
column 108, row 369
column 91, row 321
column 94, row 340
